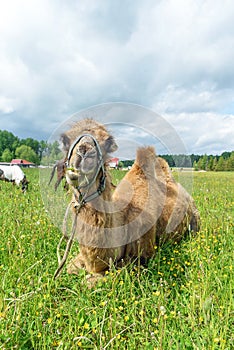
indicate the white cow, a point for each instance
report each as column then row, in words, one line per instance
column 14, row 174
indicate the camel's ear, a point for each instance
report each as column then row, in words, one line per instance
column 110, row 145
column 65, row 142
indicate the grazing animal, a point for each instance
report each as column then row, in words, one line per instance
column 15, row 175
column 61, row 174
column 147, row 208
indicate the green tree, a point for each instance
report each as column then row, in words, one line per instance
column 7, row 155
column 230, row 162
column 34, row 144
column 226, row 155
column 195, row 166
column 27, row 153
column 52, row 153
column 7, row 140
column 215, row 163
column 220, row 164
column 120, row 165
column 210, row 163
column 42, row 148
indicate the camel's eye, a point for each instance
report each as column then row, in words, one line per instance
column 81, row 150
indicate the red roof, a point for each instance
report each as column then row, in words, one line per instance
column 21, row 161
column 114, row 160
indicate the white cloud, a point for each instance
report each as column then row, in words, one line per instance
column 204, row 132
column 58, row 57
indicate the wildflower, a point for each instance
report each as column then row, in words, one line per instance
column 157, row 293
column 155, row 320
column 121, row 283
column 103, row 303
column 126, row 318
column 216, row 340
column 49, row 321
column 162, row 310
column 39, row 335
column 86, row 325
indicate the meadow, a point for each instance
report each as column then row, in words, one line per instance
column 182, row 300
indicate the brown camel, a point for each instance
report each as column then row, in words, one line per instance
column 147, row 208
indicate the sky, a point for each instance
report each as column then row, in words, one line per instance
column 157, row 71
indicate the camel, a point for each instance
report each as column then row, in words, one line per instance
column 147, row 208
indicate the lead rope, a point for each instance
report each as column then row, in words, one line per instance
column 62, row 261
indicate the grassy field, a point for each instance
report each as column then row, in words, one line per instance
column 183, row 300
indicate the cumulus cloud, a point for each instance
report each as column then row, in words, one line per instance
column 174, row 57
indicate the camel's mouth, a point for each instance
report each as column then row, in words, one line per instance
column 79, row 177
column 72, row 177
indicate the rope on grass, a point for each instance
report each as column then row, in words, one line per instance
column 62, row 261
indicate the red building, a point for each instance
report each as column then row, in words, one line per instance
column 113, row 162
column 22, row 162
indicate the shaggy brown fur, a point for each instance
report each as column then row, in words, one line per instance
column 147, row 207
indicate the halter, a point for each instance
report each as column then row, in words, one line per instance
column 84, row 198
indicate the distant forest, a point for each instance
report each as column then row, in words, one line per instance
column 41, row 152
column 223, row 162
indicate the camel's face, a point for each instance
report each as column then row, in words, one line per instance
column 83, row 162
column 94, row 144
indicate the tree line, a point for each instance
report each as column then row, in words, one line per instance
column 34, row 151
column 42, row 152
column 223, row 162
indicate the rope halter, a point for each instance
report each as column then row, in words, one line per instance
column 84, row 197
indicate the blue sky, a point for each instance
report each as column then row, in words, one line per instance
column 173, row 57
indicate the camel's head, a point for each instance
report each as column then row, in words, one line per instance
column 87, row 146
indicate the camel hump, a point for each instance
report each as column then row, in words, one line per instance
column 146, row 157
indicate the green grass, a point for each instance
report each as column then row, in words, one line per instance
column 182, row 300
